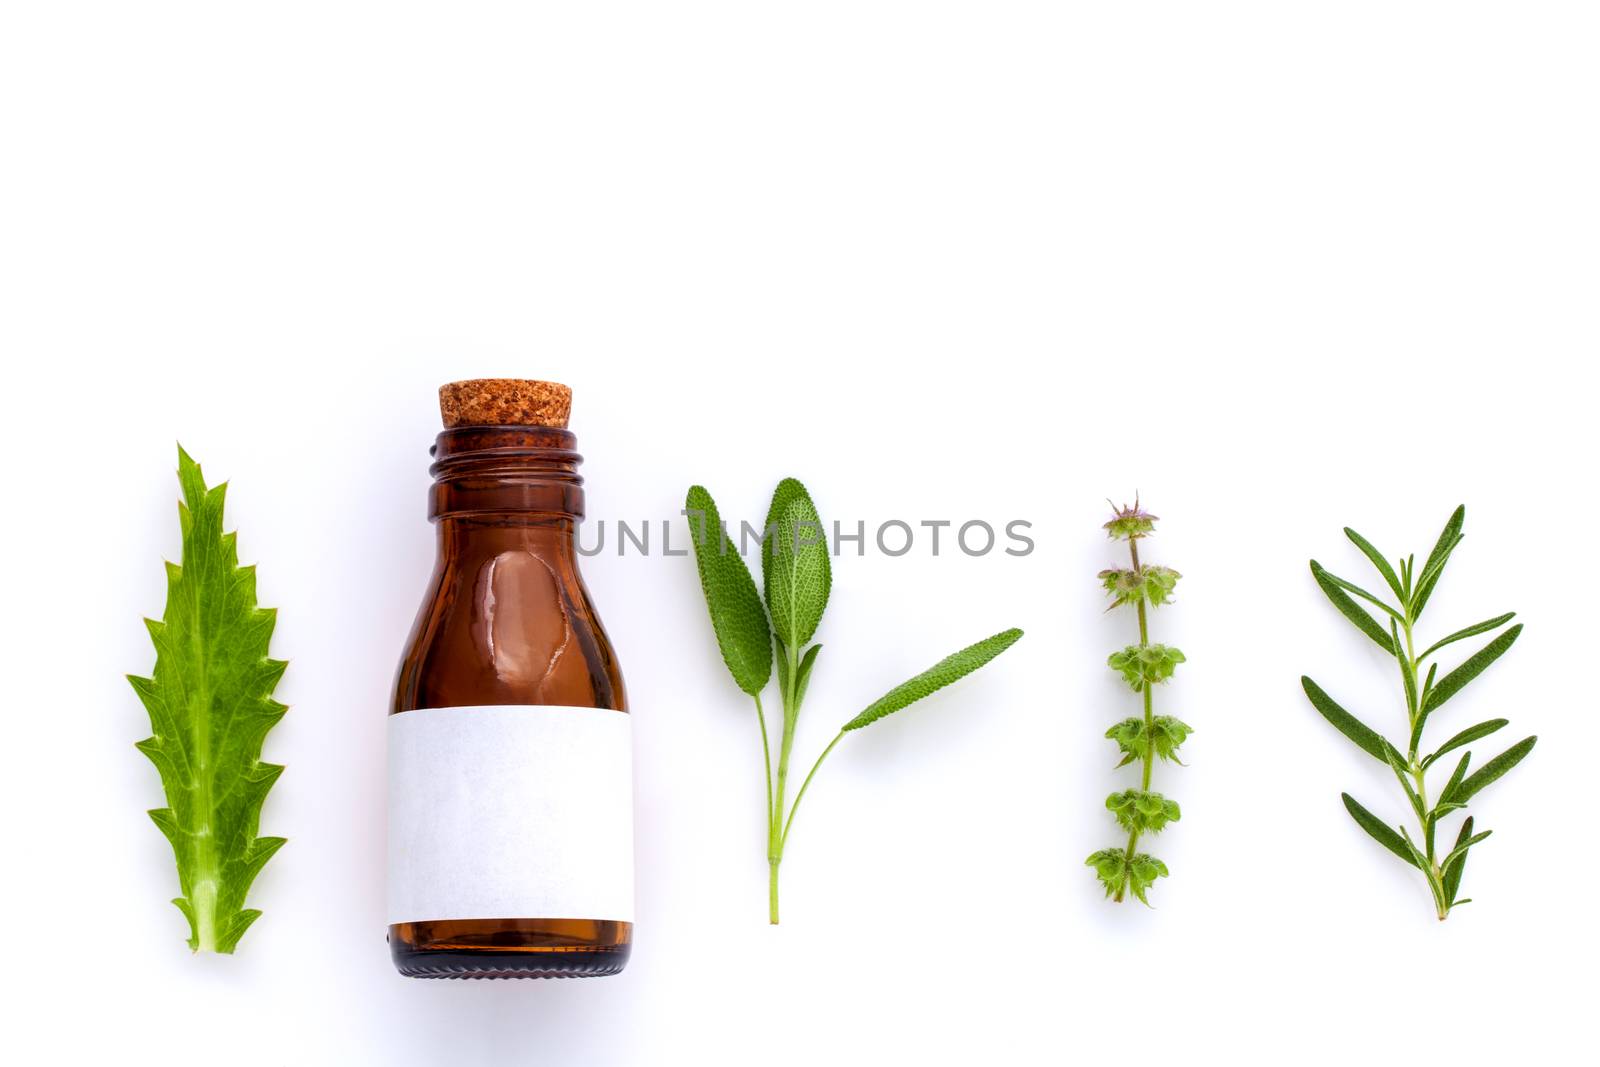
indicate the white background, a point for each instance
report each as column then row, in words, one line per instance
column 1279, row 267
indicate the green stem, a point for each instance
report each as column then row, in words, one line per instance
column 791, row 713
column 1149, row 717
column 1434, row 875
column 783, row 839
column 772, row 891
column 766, row 758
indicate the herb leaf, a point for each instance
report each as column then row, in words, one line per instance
column 1471, row 631
column 794, row 565
column 1456, row 680
column 1380, row 831
column 950, row 669
column 1452, row 874
column 1383, row 565
column 804, row 679
column 1449, row 538
column 1491, row 771
column 1366, row 738
column 736, row 614
column 1465, row 737
column 210, row 705
column 1350, row 609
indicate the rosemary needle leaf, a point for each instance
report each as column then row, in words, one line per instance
column 1350, row 609
column 1491, row 771
column 736, row 614
column 1460, row 851
column 1452, row 876
column 1448, row 540
column 1447, row 795
column 1471, row 631
column 1351, row 587
column 1366, row 738
column 1380, row 831
column 950, row 669
column 1456, row 680
column 1378, row 561
column 1465, row 737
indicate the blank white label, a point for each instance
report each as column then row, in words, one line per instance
column 510, row 812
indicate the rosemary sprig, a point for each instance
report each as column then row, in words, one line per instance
column 1412, row 588
column 1142, row 740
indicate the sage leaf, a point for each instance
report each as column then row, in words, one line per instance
column 1456, row 680
column 804, row 673
column 1366, row 738
column 1350, row 609
column 1465, row 737
column 1493, row 770
column 1379, row 830
column 796, row 581
column 737, row 617
column 795, row 566
column 950, row 669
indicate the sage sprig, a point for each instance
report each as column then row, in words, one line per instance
column 1412, row 588
column 796, row 579
column 1141, row 740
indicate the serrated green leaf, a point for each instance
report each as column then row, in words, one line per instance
column 1449, row 538
column 1366, row 738
column 1470, row 631
column 1378, row 829
column 1110, row 866
column 1465, row 737
column 795, row 566
column 737, row 617
column 1456, row 680
column 1364, row 622
column 1142, row 665
column 210, row 705
column 950, row 669
column 1382, row 565
column 1142, row 873
column 1142, row 811
column 1490, row 772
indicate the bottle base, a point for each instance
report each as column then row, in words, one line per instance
column 508, row 964
column 510, row 948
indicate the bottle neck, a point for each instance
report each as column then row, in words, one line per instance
column 494, row 481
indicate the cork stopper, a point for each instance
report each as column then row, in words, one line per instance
column 505, row 402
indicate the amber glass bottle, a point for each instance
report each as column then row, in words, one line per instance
column 510, row 781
